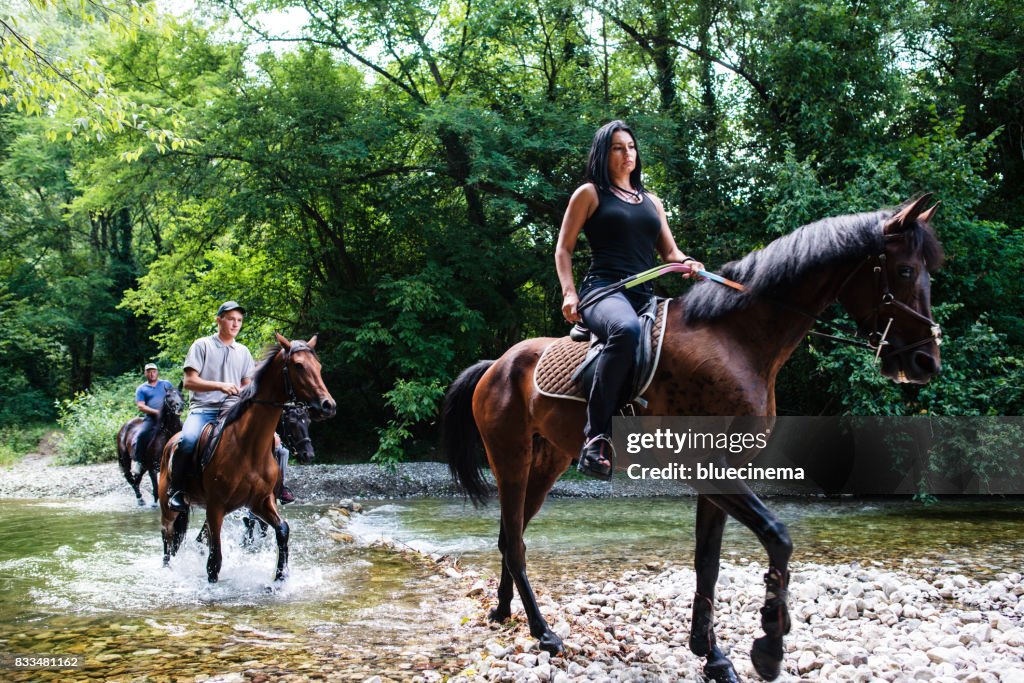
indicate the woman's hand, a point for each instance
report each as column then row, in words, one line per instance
column 694, row 265
column 569, row 304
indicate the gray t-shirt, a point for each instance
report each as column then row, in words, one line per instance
column 216, row 361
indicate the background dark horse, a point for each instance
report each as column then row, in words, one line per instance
column 168, row 424
column 722, row 353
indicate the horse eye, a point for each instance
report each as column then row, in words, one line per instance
column 906, row 272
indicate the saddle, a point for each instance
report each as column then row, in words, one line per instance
column 209, row 439
column 566, row 368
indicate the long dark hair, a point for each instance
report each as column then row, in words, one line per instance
column 597, row 162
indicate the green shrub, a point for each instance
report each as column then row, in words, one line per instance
column 16, row 441
column 92, row 419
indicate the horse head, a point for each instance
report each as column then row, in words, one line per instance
column 302, row 366
column 295, row 432
column 890, row 296
column 174, row 402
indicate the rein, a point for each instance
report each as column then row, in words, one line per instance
column 633, row 280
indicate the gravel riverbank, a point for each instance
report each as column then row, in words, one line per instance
column 39, row 476
column 850, row 623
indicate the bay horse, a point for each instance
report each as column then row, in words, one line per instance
column 242, row 472
column 722, row 352
column 168, row 424
column 293, row 428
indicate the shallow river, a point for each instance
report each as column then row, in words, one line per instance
column 85, row 581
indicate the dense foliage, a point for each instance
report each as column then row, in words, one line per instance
column 393, row 176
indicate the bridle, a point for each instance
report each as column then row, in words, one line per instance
column 293, row 400
column 164, row 427
column 286, row 434
column 885, row 301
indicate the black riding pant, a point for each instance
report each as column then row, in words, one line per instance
column 146, row 433
column 614, row 319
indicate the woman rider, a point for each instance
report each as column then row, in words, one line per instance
column 624, row 224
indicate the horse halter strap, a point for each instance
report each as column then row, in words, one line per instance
column 286, row 435
column 876, row 339
column 293, row 400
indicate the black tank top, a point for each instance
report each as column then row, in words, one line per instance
column 622, row 237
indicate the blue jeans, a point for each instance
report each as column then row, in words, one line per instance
column 193, row 427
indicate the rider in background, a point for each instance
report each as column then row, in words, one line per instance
column 149, row 398
column 624, row 224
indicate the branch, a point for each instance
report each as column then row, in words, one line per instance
column 39, row 56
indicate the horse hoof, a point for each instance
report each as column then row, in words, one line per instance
column 499, row 615
column 141, row 503
column 766, row 656
column 549, row 642
column 721, row 672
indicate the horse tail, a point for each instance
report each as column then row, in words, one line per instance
column 460, row 435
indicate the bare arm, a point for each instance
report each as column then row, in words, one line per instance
column 193, row 382
column 146, row 409
column 666, row 245
column 581, row 205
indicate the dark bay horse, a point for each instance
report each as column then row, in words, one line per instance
column 168, row 424
column 243, row 471
column 722, row 352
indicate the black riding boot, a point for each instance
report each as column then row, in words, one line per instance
column 176, row 488
column 597, row 459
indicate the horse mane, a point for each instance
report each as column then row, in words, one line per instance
column 248, row 393
column 819, row 245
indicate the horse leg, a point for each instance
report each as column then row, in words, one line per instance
column 520, row 501
column 153, row 472
column 175, row 524
column 503, row 610
column 168, row 523
column 214, row 523
column 127, row 465
column 747, row 508
column 247, row 537
column 546, row 470
column 267, row 512
column 709, row 528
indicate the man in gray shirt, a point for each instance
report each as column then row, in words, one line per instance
column 216, row 369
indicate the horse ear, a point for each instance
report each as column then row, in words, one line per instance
column 907, row 217
column 181, row 386
column 282, row 341
column 312, row 342
column 926, row 217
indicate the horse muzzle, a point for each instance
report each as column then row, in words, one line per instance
column 915, row 366
column 324, row 409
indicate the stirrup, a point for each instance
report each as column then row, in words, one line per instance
column 597, row 458
column 176, row 501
